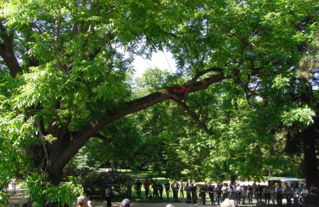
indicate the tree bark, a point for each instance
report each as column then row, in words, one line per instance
column 310, row 157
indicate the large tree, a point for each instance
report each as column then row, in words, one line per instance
column 63, row 77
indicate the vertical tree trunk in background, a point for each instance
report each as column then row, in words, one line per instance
column 310, row 157
column 233, row 178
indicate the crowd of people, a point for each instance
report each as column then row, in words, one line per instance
column 219, row 192
column 228, row 195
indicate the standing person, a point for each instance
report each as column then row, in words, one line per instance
column 254, row 186
column 82, row 201
column 231, row 190
column 211, row 193
column 14, row 184
column 218, row 191
column 202, row 193
column 267, row 194
column 295, row 193
column 313, row 190
column 304, row 193
column 160, row 190
column 258, row 191
column 138, row 185
column 272, row 194
column 108, row 194
column 193, row 191
column 175, row 188
column 187, row 188
column 129, row 188
column 225, row 191
column 250, row 193
column 181, row 189
column 155, row 191
column 287, row 192
column 278, row 191
column 146, row 187
column 238, row 193
column 167, row 185
column 244, row 193
column 195, row 185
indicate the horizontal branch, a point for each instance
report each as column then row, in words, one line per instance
column 90, row 130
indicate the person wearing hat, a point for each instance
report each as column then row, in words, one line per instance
column 125, row 203
column 108, row 193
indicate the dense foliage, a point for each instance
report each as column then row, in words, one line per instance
column 65, row 77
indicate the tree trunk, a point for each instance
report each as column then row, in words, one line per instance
column 310, row 158
column 233, row 178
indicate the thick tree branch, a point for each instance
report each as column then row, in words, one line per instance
column 6, row 51
column 80, row 137
column 191, row 113
column 199, row 74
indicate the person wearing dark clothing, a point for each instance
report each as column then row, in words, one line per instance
column 155, row 191
column 278, row 191
column 138, row 186
column 211, row 193
column 218, row 191
column 187, row 188
column 250, row 193
column 258, row 192
column 202, row 193
column 193, row 192
column 167, row 185
column 160, row 190
column 267, row 195
column 108, row 195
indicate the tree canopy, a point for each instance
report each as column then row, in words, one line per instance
column 250, row 68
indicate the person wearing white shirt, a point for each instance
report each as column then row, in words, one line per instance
column 238, row 193
column 108, row 192
column 224, row 191
column 304, row 192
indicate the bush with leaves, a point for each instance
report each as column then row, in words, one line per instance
column 63, row 195
column 94, row 183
